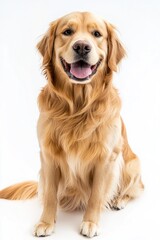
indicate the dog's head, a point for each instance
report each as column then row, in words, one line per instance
column 78, row 46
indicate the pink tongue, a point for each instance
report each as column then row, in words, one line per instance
column 80, row 70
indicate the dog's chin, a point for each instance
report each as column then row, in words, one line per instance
column 80, row 72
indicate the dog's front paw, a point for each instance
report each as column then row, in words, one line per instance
column 43, row 229
column 89, row 229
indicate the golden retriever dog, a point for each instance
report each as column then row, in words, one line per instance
column 86, row 160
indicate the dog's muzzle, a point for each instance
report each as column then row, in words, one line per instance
column 80, row 70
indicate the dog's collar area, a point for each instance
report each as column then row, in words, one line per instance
column 79, row 71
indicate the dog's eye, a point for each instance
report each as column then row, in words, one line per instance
column 68, row 32
column 96, row 34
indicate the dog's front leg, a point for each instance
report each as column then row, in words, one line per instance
column 50, row 175
column 89, row 226
column 102, row 175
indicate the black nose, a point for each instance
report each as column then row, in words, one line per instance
column 82, row 47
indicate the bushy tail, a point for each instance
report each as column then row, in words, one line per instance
column 20, row 191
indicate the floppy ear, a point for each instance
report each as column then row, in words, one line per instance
column 115, row 49
column 46, row 45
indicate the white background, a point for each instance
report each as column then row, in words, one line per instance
column 21, row 25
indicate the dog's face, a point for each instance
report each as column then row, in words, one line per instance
column 80, row 45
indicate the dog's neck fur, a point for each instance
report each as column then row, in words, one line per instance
column 70, row 100
column 78, row 96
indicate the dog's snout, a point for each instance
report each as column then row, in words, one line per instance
column 82, row 47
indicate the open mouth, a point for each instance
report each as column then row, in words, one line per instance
column 79, row 71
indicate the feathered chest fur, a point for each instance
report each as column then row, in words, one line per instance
column 81, row 131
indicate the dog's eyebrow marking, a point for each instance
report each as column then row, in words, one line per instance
column 69, row 24
column 95, row 26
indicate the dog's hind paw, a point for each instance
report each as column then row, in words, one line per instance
column 119, row 203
